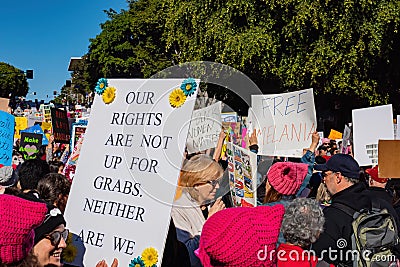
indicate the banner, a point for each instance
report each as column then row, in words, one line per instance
column 59, row 121
column 205, row 127
column 284, row 122
column 129, row 164
column 370, row 125
column 242, row 168
column 6, row 137
column 30, row 144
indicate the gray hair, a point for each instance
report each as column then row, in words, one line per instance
column 303, row 222
column 352, row 180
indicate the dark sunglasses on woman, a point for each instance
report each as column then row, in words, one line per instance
column 55, row 237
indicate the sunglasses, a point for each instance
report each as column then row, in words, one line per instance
column 55, row 237
column 213, row 183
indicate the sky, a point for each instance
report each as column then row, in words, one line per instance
column 43, row 35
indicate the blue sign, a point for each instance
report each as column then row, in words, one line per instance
column 6, row 137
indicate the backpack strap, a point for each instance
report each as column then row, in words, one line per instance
column 346, row 209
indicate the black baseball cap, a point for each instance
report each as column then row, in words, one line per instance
column 342, row 163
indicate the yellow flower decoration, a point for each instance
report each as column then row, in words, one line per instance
column 150, row 257
column 70, row 252
column 109, row 95
column 177, row 98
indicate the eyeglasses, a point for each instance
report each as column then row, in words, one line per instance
column 55, row 237
column 213, row 183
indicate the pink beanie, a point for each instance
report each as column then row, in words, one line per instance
column 18, row 218
column 286, row 177
column 241, row 237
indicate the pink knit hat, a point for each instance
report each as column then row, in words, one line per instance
column 18, row 218
column 241, row 237
column 286, row 177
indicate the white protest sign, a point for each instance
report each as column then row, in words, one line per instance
column 205, row 127
column 284, row 122
column 124, row 185
column 242, row 169
column 346, row 139
column 370, row 125
column 398, row 127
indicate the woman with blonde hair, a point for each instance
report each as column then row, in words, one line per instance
column 199, row 181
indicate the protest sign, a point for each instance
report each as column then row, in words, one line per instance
column 6, row 137
column 46, row 126
column 30, row 144
column 205, row 127
column 21, row 123
column 4, row 104
column 370, row 125
column 284, row 122
column 233, row 130
column 229, row 116
column 37, row 129
column 59, row 122
column 130, row 160
column 242, row 168
column 77, row 131
column 398, row 128
column 389, row 160
column 334, row 135
column 346, row 139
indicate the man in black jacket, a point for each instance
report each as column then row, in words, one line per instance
column 341, row 176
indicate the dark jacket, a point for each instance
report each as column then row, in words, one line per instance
column 338, row 225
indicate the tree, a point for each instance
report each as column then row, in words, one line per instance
column 349, row 48
column 13, row 81
column 130, row 44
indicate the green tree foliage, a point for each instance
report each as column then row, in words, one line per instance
column 346, row 48
column 13, row 81
column 130, row 44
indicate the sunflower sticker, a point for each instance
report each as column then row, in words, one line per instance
column 178, row 96
column 107, row 93
column 149, row 258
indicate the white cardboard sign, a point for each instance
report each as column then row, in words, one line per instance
column 370, row 125
column 123, row 190
column 284, row 122
column 205, row 127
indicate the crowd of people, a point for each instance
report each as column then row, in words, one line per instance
column 306, row 208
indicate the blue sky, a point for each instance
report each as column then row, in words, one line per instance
column 43, row 35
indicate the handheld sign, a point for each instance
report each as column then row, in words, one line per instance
column 37, row 129
column 21, row 123
column 6, row 137
column 59, row 120
column 124, row 185
column 370, row 125
column 77, row 131
column 284, row 122
column 389, row 160
column 204, row 129
column 30, row 144
column 242, row 168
